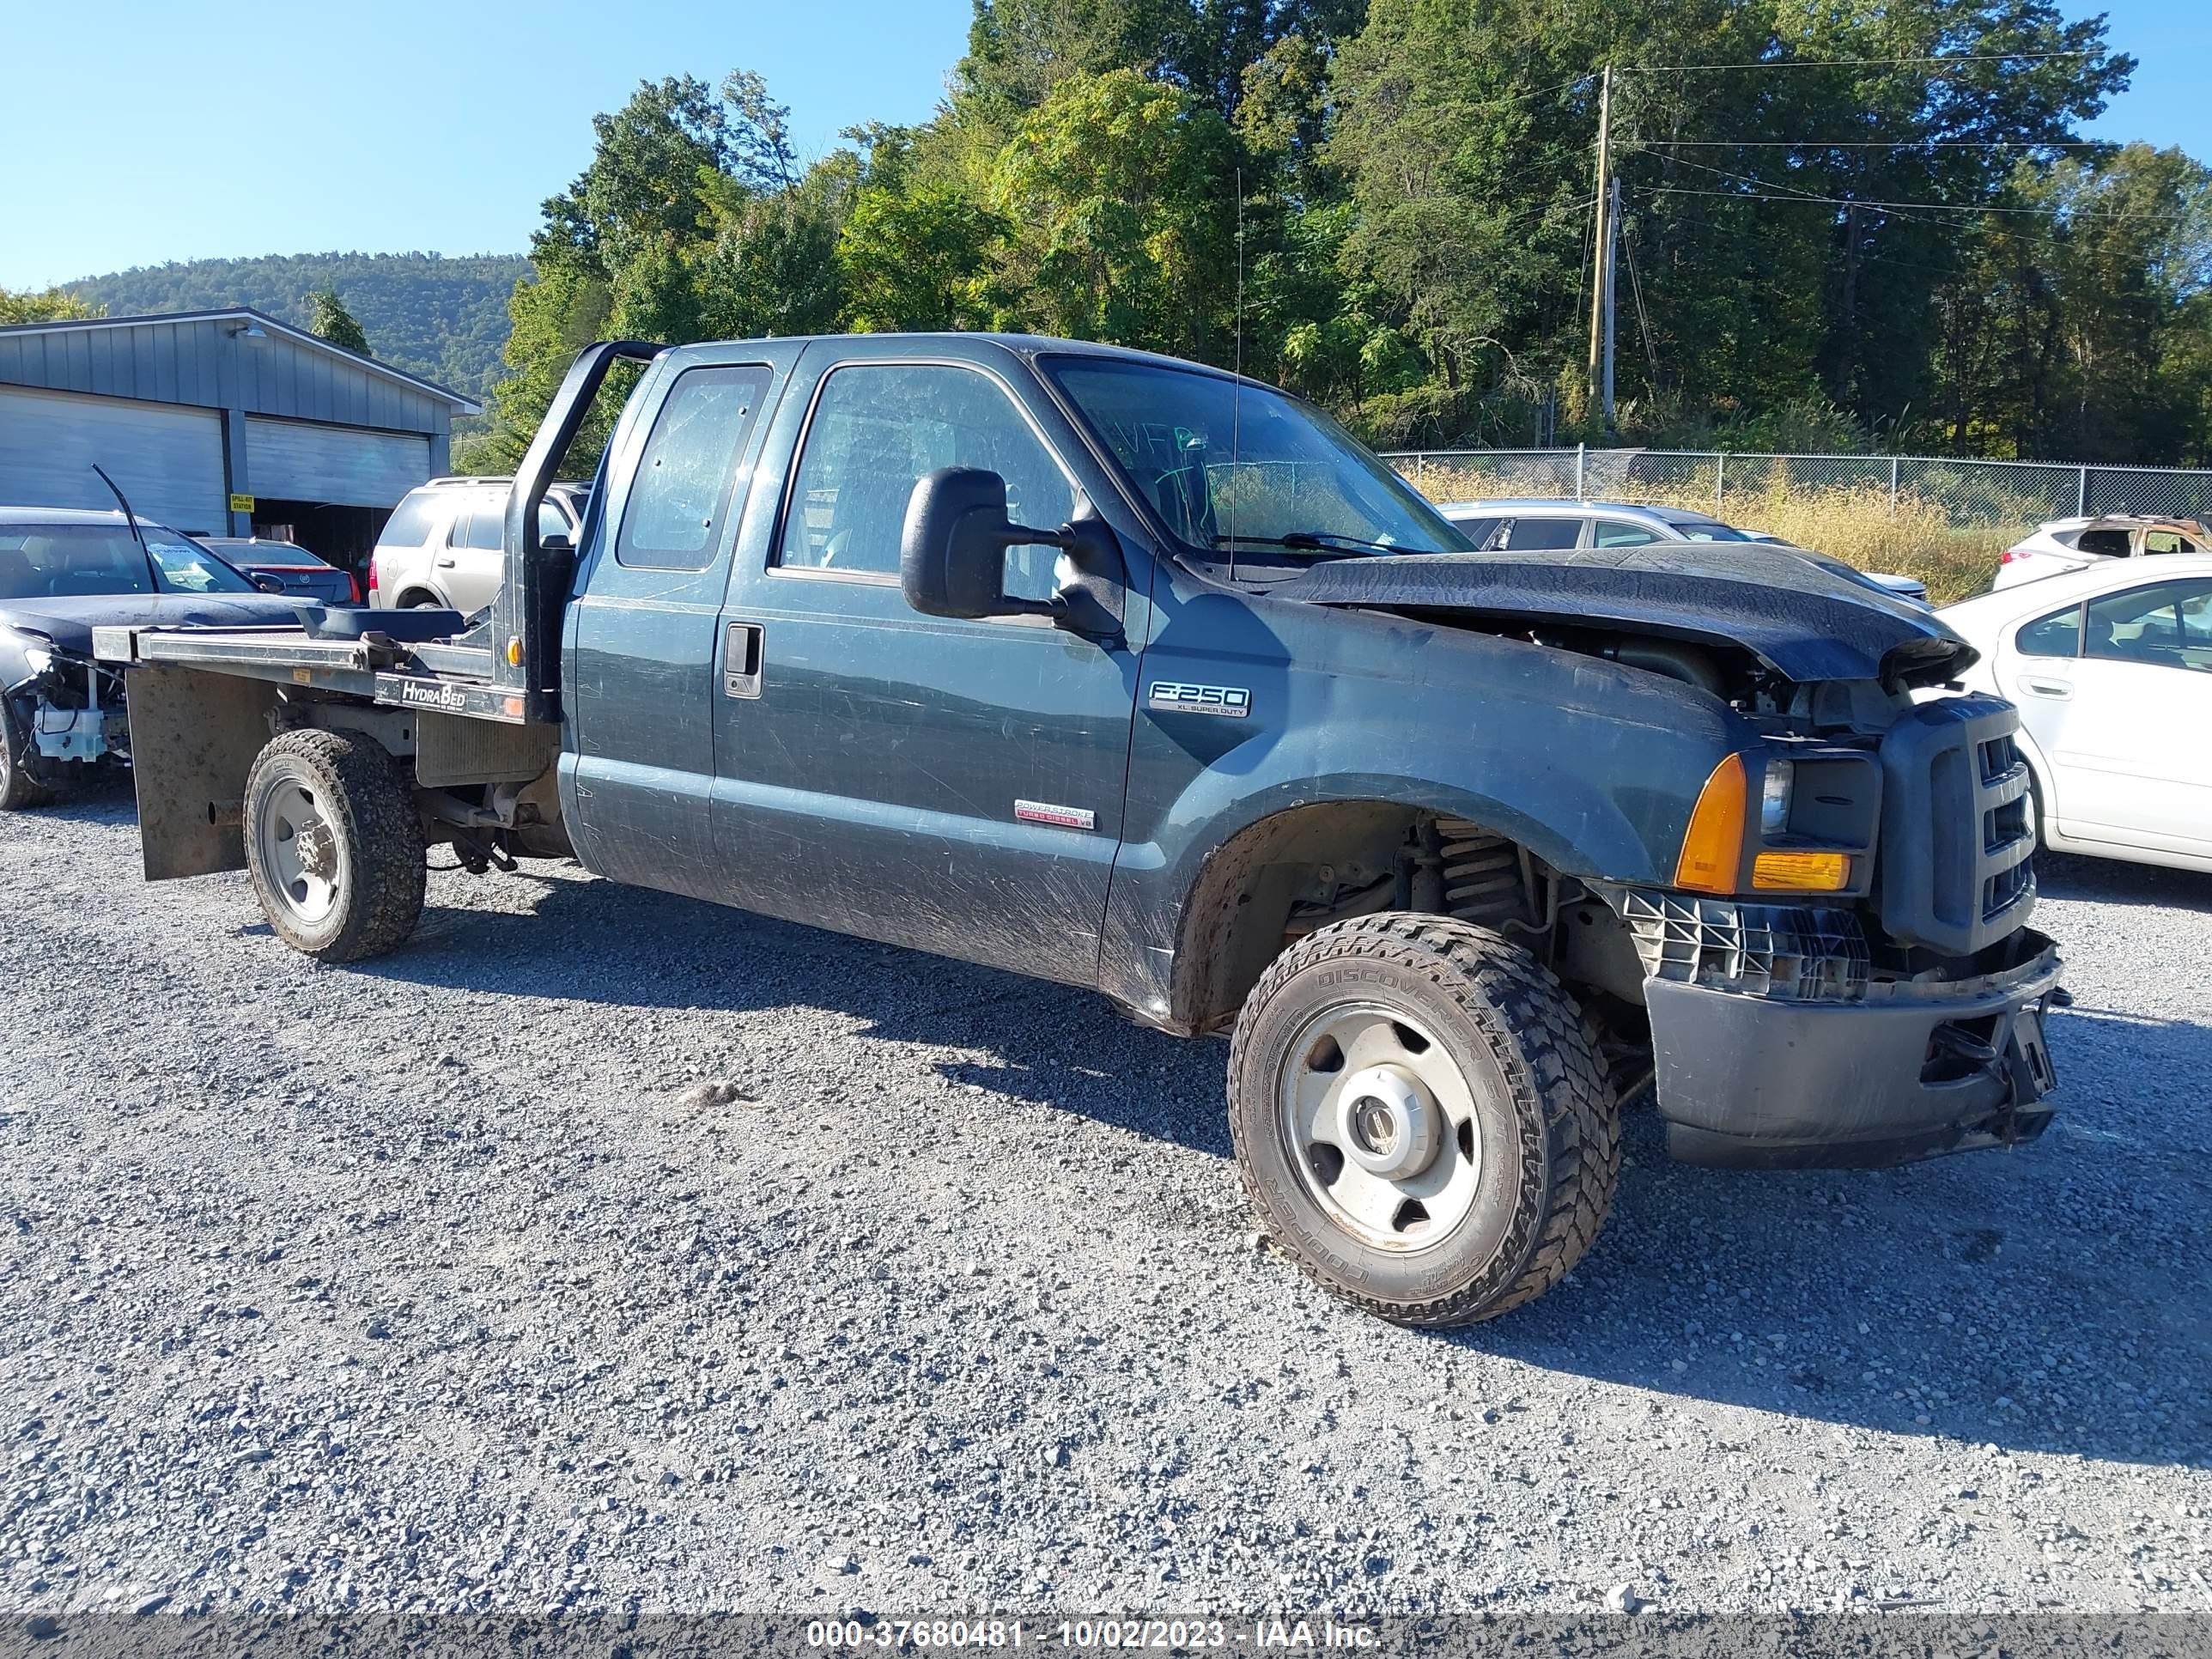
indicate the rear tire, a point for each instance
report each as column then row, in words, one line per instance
column 334, row 845
column 18, row 788
column 1423, row 1118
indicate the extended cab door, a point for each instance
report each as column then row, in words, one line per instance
column 640, row 674
column 949, row 784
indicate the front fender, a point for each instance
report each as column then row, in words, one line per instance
column 1593, row 767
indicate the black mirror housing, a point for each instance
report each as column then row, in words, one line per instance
column 952, row 548
column 266, row 583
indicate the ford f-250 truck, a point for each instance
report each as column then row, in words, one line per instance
column 1114, row 670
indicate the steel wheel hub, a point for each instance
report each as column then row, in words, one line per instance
column 1380, row 1125
column 1390, row 1124
column 299, row 851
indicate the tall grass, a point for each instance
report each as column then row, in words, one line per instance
column 1917, row 535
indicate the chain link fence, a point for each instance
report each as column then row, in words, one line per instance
column 2010, row 495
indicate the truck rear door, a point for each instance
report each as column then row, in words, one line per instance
column 640, row 657
column 949, row 785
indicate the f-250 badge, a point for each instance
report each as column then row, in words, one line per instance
column 1233, row 701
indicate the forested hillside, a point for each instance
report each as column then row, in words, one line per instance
column 444, row 318
column 1841, row 226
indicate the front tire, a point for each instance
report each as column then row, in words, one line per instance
column 334, row 845
column 1422, row 1118
column 18, row 788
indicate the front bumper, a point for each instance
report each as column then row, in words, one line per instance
column 1911, row 1071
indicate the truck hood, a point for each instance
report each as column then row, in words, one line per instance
column 69, row 622
column 1806, row 617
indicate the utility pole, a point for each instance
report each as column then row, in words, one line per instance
column 1601, row 243
column 1612, row 269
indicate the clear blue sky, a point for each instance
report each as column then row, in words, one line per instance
column 134, row 131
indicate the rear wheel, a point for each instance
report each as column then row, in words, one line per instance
column 334, row 845
column 1422, row 1117
column 18, row 788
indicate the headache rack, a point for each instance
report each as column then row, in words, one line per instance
column 509, row 673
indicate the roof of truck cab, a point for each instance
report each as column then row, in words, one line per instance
column 1027, row 344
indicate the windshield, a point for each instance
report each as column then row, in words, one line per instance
column 83, row 560
column 1240, row 466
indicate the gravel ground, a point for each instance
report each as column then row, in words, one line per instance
column 441, row 1284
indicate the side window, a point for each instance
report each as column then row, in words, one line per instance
column 2058, row 634
column 484, row 526
column 2168, row 624
column 2167, row 541
column 1617, row 533
column 551, row 523
column 1478, row 530
column 1542, row 533
column 681, row 498
column 2105, row 544
column 878, row 428
column 410, row 521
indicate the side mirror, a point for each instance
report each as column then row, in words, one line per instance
column 952, row 552
column 555, row 544
column 267, row 583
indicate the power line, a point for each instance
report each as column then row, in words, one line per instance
column 1857, row 63
column 1885, row 143
column 1905, row 209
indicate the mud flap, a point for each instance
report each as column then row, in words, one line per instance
column 193, row 738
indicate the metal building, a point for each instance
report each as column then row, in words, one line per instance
column 221, row 423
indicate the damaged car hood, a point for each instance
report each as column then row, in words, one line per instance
column 1806, row 617
column 69, row 622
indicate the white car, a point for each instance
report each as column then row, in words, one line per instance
column 2112, row 668
column 2068, row 544
column 1514, row 526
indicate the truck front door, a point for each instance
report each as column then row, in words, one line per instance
column 949, row 784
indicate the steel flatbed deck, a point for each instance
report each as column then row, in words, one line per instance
column 439, row 676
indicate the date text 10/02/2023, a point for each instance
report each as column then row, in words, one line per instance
column 1266, row 1635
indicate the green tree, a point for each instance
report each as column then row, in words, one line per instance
column 51, row 305
column 917, row 259
column 1119, row 193
column 331, row 321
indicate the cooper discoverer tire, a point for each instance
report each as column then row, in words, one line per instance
column 334, row 845
column 1422, row 1117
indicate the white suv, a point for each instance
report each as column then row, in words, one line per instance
column 442, row 543
column 2065, row 545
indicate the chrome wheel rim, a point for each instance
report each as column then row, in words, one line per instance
column 300, row 851
column 1381, row 1127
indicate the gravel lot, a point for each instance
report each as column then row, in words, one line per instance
column 438, row 1284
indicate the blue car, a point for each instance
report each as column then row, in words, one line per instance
column 63, row 572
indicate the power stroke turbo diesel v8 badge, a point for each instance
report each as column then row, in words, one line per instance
column 1233, row 701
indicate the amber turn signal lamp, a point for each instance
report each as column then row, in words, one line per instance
column 1712, row 851
column 514, row 651
column 1801, row 872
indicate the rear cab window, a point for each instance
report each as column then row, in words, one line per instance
column 679, row 498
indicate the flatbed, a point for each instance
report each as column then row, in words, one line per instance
column 449, row 678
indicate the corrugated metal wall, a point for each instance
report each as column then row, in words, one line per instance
column 294, row 460
column 204, row 362
column 167, row 458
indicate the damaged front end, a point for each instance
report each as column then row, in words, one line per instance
column 65, row 712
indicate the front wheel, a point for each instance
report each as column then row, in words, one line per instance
column 334, row 845
column 1422, row 1117
column 18, row 788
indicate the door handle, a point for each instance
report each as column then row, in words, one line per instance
column 743, row 648
column 2058, row 690
column 446, row 561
